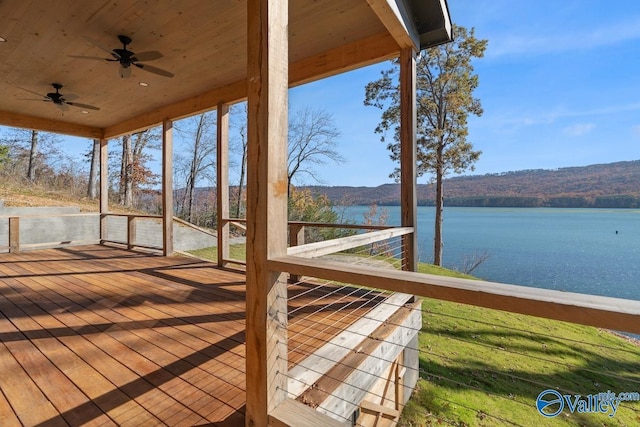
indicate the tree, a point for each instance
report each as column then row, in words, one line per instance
column 312, row 141
column 135, row 172
column 304, row 206
column 33, row 156
column 198, row 160
column 94, row 156
column 4, row 155
column 445, row 85
column 244, row 145
column 126, row 173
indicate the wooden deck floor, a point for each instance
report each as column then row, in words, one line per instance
column 96, row 335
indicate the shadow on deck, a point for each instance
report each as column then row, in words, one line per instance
column 97, row 335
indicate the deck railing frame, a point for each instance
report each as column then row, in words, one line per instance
column 14, row 242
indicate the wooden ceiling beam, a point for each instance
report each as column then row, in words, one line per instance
column 335, row 61
column 394, row 16
column 361, row 53
column 207, row 101
column 48, row 125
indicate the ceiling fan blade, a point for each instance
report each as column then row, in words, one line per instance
column 154, row 70
column 99, row 46
column 85, row 106
column 70, row 96
column 31, row 99
column 147, row 56
column 62, row 107
column 124, row 72
column 30, row 91
column 92, row 58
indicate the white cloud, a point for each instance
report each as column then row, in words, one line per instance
column 578, row 129
column 534, row 44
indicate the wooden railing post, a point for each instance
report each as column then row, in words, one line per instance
column 131, row 231
column 267, row 184
column 222, row 182
column 104, row 188
column 14, row 235
column 408, row 199
column 296, row 237
column 167, row 187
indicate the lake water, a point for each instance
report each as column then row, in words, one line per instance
column 592, row 251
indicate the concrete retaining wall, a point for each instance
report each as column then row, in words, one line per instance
column 64, row 226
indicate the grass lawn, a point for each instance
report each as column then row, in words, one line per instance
column 482, row 367
column 237, row 251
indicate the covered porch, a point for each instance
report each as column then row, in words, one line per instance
column 102, row 335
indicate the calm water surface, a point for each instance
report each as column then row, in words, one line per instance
column 593, row 251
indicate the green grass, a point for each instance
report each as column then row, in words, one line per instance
column 237, row 252
column 480, row 367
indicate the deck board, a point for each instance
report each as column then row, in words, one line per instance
column 98, row 335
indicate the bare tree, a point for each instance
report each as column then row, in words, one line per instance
column 33, row 156
column 198, row 160
column 135, row 172
column 126, row 175
column 312, row 141
column 470, row 263
column 244, row 144
column 92, row 187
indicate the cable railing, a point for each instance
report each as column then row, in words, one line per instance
column 29, row 232
column 329, row 275
column 343, row 341
column 133, row 230
column 300, row 233
column 476, row 366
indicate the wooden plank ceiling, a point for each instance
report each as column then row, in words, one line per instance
column 203, row 43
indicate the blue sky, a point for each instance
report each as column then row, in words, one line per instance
column 559, row 84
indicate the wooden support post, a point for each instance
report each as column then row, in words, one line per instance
column 222, row 182
column 408, row 147
column 14, row 234
column 104, row 188
column 167, row 187
column 296, row 238
column 267, row 89
column 131, row 231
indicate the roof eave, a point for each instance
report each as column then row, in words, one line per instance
column 433, row 22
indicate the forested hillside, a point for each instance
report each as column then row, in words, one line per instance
column 613, row 185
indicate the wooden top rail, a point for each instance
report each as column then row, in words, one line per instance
column 335, row 225
column 239, row 225
column 603, row 312
column 195, row 227
column 326, row 247
column 323, row 224
column 49, row 215
column 132, row 215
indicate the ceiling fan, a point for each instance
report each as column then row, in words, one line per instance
column 59, row 100
column 127, row 58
